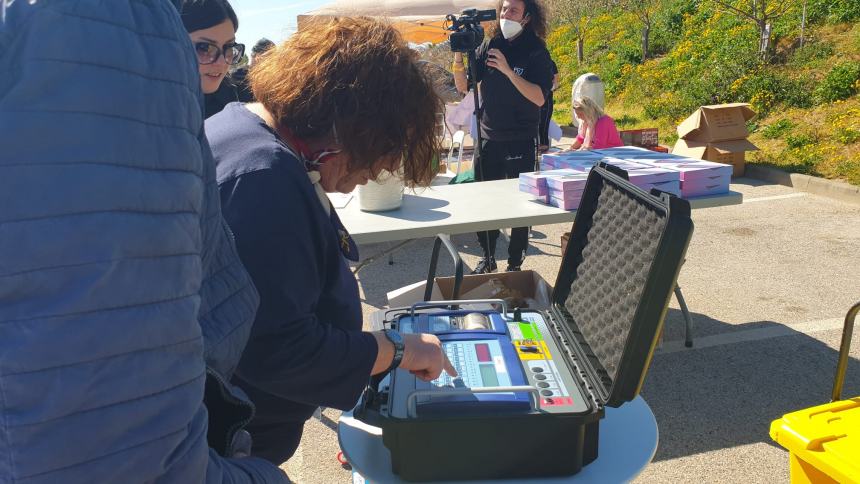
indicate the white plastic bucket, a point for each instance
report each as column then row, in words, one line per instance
column 386, row 193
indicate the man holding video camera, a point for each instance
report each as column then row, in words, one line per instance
column 514, row 71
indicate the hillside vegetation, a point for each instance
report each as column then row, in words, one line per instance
column 703, row 53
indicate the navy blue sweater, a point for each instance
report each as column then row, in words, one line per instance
column 306, row 347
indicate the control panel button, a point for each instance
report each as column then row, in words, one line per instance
column 540, row 377
column 547, row 393
column 537, row 369
column 543, row 384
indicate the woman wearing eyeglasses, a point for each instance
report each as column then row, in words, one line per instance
column 212, row 26
column 338, row 103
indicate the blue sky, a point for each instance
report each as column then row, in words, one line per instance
column 273, row 19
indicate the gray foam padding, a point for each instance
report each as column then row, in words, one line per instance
column 616, row 259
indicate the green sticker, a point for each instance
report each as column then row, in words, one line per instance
column 527, row 330
column 530, row 331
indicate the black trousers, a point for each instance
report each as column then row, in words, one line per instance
column 501, row 160
column 275, row 442
column 545, row 116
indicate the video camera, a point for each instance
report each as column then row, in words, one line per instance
column 467, row 33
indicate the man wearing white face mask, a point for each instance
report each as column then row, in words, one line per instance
column 514, row 72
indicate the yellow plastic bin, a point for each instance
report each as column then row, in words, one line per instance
column 824, row 441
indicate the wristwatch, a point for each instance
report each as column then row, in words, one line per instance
column 397, row 341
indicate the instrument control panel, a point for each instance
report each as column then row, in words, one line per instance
column 489, row 350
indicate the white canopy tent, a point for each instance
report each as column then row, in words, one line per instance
column 419, row 20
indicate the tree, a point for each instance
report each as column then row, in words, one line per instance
column 578, row 15
column 762, row 13
column 644, row 11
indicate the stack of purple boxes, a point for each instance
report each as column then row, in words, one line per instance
column 561, row 188
column 698, row 177
column 563, row 175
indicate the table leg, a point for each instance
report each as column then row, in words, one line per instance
column 389, row 253
column 688, row 319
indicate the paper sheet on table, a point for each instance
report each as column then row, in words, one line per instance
column 339, row 200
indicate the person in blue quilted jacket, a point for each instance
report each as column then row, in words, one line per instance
column 122, row 299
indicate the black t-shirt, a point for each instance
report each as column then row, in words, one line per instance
column 508, row 115
column 239, row 78
column 216, row 101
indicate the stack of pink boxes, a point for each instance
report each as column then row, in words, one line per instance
column 565, row 191
column 698, row 177
column 563, row 175
column 563, row 188
column 582, row 160
column 663, row 179
column 536, row 182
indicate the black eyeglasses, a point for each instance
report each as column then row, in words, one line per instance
column 208, row 53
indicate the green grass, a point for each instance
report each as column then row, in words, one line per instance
column 777, row 129
column 807, row 98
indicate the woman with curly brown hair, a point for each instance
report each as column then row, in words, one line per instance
column 339, row 102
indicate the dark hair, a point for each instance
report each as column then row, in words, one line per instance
column 261, row 46
column 202, row 14
column 536, row 12
column 359, row 75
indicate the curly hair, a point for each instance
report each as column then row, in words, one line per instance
column 358, row 76
column 536, row 12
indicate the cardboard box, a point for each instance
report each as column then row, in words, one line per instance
column 728, row 152
column 717, row 133
column 719, row 122
column 645, row 137
column 529, row 284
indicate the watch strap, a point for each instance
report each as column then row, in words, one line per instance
column 397, row 340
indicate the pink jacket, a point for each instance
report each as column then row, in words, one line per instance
column 605, row 134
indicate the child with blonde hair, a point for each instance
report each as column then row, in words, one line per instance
column 597, row 129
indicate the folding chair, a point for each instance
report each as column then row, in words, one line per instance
column 457, row 140
column 442, row 130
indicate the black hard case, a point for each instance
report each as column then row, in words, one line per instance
column 545, row 444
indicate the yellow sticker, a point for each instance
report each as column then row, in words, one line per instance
column 528, row 349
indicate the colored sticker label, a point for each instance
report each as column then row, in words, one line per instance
column 556, row 401
column 532, row 350
column 524, row 331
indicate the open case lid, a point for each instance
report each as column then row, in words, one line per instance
column 616, row 277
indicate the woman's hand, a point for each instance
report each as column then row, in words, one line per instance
column 422, row 355
column 424, row 358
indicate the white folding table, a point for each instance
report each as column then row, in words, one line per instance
column 473, row 207
column 468, row 207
